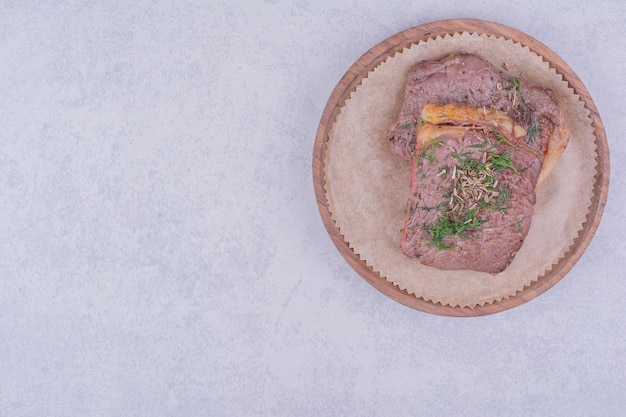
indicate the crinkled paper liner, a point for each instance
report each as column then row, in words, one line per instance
column 367, row 186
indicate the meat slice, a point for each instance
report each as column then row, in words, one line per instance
column 480, row 141
column 471, row 201
column 469, row 80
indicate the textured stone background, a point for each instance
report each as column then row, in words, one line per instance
column 162, row 253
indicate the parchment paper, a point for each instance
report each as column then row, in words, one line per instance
column 367, row 186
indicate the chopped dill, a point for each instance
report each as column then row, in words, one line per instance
column 533, row 130
column 514, row 84
column 428, row 150
column 502, row 161
column 446, row 226
column 502, row 200
column 501, row 138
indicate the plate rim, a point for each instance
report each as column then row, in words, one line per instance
column 388, row 48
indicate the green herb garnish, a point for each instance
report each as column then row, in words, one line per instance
column 502, row 200
column 446, row 226
column 465, row 160
column 534, row 128
column 502, row 161
column 501, row 139
column 514, row 84
column 428, row 150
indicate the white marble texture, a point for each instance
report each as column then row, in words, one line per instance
column 162, row 253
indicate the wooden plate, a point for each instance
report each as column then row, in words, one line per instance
column 388, row 48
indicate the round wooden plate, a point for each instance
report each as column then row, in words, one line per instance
column 368, row 62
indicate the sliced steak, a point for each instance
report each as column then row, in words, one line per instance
column 471, row 201
column 469, row 80
column 473, row 184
